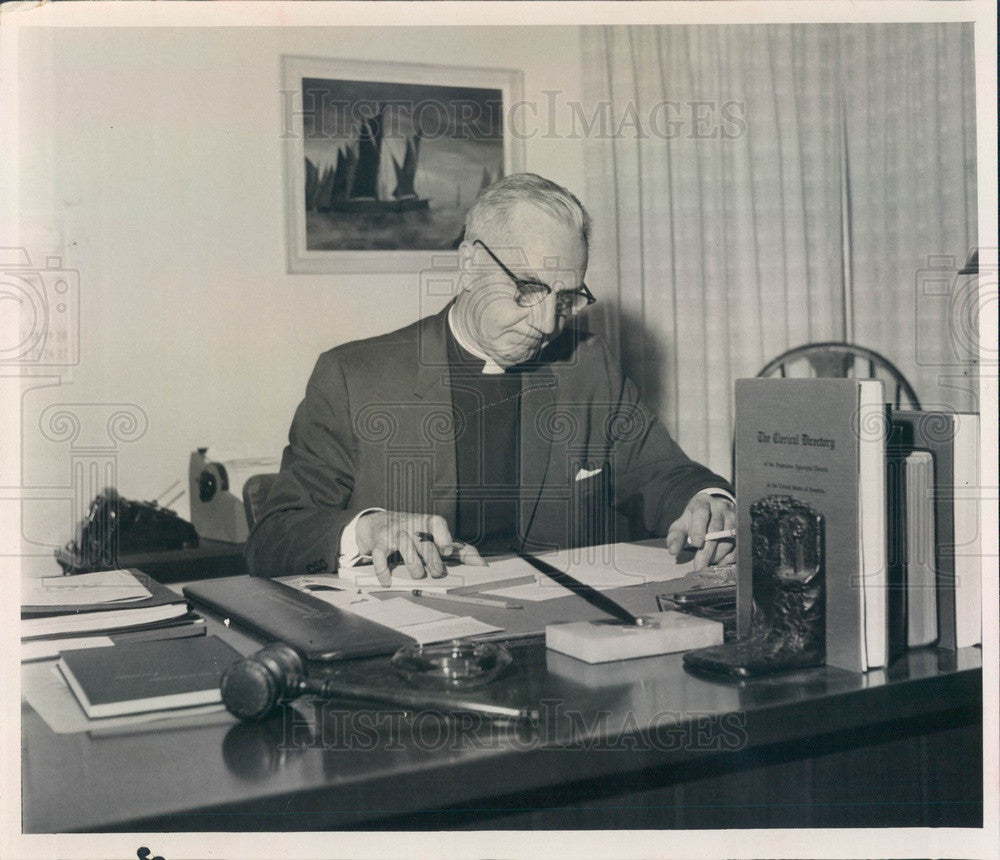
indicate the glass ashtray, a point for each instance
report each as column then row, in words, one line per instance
column 451, row 665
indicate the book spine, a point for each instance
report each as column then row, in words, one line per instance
column 918, row 506
column 966, row 548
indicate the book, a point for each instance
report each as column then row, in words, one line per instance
column 822, row 442
column 48, row 647
column 921, row 593
column 61, row 606
column 952, row 439
column 912, row 595
column 147, row 676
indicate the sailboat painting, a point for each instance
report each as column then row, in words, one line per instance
column 388, row 158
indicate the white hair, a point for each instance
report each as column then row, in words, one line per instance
column 494, row 208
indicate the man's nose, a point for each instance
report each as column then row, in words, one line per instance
column 547, row 319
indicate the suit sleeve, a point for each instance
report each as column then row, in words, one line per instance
column 308, row 505
column 653, row 476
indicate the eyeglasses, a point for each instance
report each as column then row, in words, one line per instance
column 532, row 292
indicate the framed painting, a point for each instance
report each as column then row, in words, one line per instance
column 382, row 160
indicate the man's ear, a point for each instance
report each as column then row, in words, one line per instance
column 466, row 252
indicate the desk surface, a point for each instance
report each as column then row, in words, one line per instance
column 627, row 729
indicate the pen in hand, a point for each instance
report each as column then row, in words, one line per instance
column 724, row 534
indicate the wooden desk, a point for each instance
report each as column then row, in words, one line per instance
column 640, row 744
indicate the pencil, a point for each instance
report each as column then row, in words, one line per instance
column 464, row 598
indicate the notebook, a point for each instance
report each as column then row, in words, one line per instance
column 147, row 676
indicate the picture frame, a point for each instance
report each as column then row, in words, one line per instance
column 382, row 159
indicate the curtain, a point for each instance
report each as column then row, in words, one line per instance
column 762, row 187
column 911, row 151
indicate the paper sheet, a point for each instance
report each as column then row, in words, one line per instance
column 457, row 576
column 448, row 628
column 421, row 622
column 108, row 586
column 397, row 612
column 341, row 599
column 603, row 567
column 43, row 649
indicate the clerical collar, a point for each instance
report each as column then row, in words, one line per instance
column 490, row 367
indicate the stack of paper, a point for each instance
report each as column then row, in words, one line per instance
column 82, row 610
column 604, row 567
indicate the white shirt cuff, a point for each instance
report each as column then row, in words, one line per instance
column 349, row 555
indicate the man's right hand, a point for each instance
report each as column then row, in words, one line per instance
column 421, row 540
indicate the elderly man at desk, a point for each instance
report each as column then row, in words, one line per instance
column 491, row 425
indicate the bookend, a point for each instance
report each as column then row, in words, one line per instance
column 788, row 627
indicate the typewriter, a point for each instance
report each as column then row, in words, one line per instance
column 116, row 527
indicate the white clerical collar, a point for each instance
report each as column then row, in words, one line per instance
column 490, row 367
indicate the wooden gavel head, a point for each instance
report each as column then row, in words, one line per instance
column 253, row 688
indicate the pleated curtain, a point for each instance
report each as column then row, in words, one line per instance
column 759, row 187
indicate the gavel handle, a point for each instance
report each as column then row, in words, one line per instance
column 419, row 700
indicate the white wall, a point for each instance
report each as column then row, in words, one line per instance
column 150, row 161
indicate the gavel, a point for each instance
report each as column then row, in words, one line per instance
column 256, row 686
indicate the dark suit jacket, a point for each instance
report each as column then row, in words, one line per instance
column 376, row 429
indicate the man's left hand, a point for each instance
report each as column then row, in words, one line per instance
column 704, row 514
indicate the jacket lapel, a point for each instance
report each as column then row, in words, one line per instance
column 432, row 386
column 538, row 398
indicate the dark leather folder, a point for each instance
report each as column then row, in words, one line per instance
column 281, row 613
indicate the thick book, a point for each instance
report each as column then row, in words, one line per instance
column 952, row 439
column 74, row 617
column 912, row 595
column 822, row 442
column 147, row 676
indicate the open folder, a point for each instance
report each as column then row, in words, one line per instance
column 281, row 613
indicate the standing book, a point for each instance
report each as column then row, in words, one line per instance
column 822, row 442
column 912, row 595
column 147, row 676
column 921, row 585
column 952, row 439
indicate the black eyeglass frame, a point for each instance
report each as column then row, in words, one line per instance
column 528, row 287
